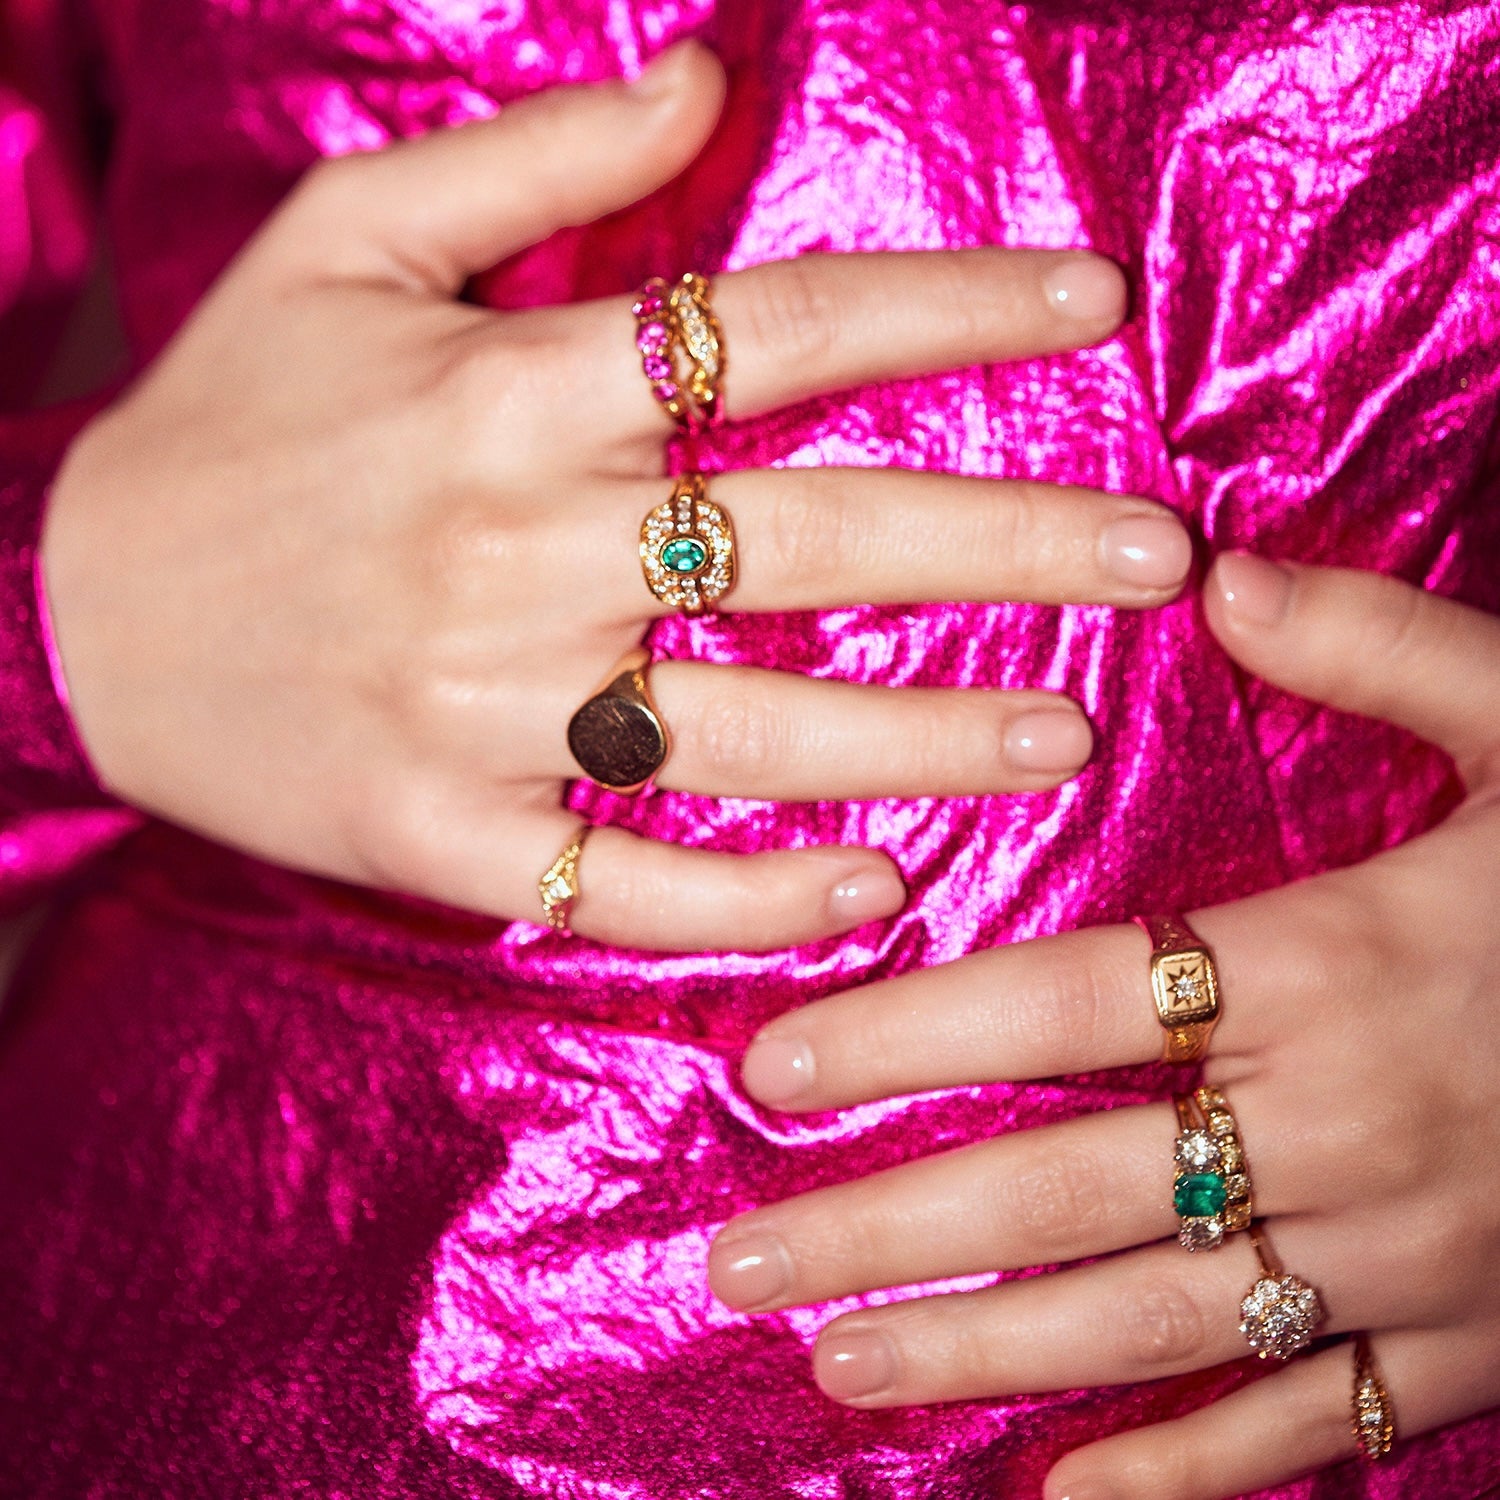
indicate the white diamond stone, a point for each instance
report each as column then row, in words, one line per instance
column 1198, row 1151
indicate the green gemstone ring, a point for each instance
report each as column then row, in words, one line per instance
column 1210, row 1183
column 687, row 549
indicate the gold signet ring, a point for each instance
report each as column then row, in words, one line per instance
column 618, row 737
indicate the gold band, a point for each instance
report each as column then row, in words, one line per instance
column 1373, row 1417
column 1279, row 1313
column 1184, row 987
column 682, row 349
column 687, row 548
column 1210, row 1177
column 558, row 888
column 618, row 736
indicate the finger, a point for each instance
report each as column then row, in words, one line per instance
column 1065, row 1004
column 1367, row 644
column 431, row 212
column 797, row 328
column 746, row 732
column 1293, row 1421
column 1030, row 1010
column 821, row 538
column 1035, row 1197
column 633, row 892
column 1151, row 1313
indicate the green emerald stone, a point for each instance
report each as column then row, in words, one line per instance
column 1198, row 1195
column 684, row 554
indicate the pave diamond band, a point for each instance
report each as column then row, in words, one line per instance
column 1372, row 1417
column 687, row 549
column 1210, row 1179
column 1184, row 987
column 682, row 349
column 1280, row 1312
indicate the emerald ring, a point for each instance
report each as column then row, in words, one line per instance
column 687, row 549
column 1210, row 1180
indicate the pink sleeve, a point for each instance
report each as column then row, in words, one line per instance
column 53, row 814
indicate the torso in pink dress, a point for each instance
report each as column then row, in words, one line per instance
column 312, row 1192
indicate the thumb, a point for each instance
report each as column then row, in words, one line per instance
column 1368, row 644
column 431, row 212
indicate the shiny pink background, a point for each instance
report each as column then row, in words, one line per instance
column 313, row 1192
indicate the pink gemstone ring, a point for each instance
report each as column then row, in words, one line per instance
column 682, row 349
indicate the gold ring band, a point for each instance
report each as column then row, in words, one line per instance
column 1210, row 1177
column 1184, row 987
column 687, row 548
column 1279, row 1313
column 1373, row 1417
column 617, row 736
column 682, row 349
column 558, row 887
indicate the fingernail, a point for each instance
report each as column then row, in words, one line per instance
column 1151, row 551
column 749, row 1273
column 850, row 1365
column 1086, row 289
column 1252, row 588
column 1050, row 739
column 1090, row 1491
column 777, row 1069
column 864, row 894
column 664, row 73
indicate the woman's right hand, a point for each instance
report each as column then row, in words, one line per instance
column 329, row 581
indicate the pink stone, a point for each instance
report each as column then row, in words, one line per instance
column 666, row 390
column 656, row 367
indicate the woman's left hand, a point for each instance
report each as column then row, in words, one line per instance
column 1359, row 1049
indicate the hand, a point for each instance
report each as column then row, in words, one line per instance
column 329, row 582
column 1359, row 1049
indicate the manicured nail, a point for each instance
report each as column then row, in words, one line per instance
column 663, row 75
column 1086, row 289
column 851, row 1365
column 866, row 893
column 1091, row 1490
column 1049, row 739
column 749, row 1273
column 1252, row 588
column 777, row 1069
column 1151, row 551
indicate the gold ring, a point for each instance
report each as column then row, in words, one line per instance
column 1279, row 1313
column 618, row 736
column 1184, row 985
column 687, row 548
column 682, row 349
column 1373, row 1418
column 1210, row 1178
column 558, row 888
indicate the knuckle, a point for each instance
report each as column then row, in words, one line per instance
column 1057, row 1203
column 739, row 739
column 813, row 534
column 796, row 313
column 393, row 832
column 1160, row 1328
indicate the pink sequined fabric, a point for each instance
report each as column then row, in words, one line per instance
column 309, row 1192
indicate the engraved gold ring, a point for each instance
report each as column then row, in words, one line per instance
column 617, row 736
column 682, row 349
column 1184, row 987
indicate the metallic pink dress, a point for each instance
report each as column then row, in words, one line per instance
column 311, row 1192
